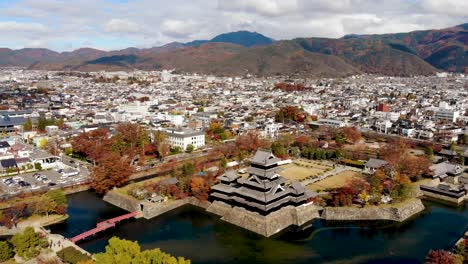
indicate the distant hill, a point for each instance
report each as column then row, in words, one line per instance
column 196, row 43
column 445, row 49
column 370, row 55
column 243, row 38
column 402, row 54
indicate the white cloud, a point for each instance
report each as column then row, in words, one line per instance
column 178, row 28
column 61, row 24
column 448, row 7
column 263, row 7
column 38, row 43
column 15, row 27
column 122, row 26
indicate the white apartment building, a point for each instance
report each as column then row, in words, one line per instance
column 447, row 114
column 383, row 126
column 392, row 116
column 177, row 120
column 184, row 137
column 332, row 122
column 271, row 130
column 135, row 108
column 313, row 109
column 52, row 130
column 166, row 76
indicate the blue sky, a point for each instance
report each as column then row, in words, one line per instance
column 65, row 25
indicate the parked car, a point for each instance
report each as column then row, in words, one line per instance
column 7, row 180
column 24, row 184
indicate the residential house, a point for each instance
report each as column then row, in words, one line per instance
column 374, row 164
column 4, row 147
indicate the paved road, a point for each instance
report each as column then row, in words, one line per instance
column 58, row 242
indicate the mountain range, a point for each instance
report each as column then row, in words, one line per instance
column 236, row 53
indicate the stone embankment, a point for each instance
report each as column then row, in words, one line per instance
column 123, row 201
column 266, row 225
column 398, row 212
column 150, row 210
column 274, row 222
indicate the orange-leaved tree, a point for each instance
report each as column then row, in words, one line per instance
column 351, row 134
column 94, row 144
column 199, row 188
column 113, row 170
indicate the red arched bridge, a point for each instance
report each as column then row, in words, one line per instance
column 101, row 226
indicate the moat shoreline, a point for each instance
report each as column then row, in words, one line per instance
column 275, row 222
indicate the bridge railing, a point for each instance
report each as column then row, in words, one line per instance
column 101, row 226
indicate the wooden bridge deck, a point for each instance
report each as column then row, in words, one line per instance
column 101, row 226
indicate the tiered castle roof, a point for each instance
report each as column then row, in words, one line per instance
column 264, row 190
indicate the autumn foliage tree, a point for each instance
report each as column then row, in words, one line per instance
column 439, row 257
column 376, row 182
column 114, row 156
column 401, row 161
column 415, row 167
column 216, row 131
column 227, row 150
column 199, row 188
column 52, row 146
column 290, row 113
column 43, row 205
column 346, row 194
column 94, row 144
column 289, row 87
column 393, row 151
column 462, row 249
column 160, row 142
column 113, row 170
column 351, row 134
column 12, row 215
column 303, row 141
column 249, row 142
column 130, row 139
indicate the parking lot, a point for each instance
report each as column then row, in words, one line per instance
column 43, row 180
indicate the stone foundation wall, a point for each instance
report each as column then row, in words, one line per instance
column 218, row 208
column 127, row 203
column 306, row 213
column 276, row 221
column 196, row 202
column 399, row 213
column 151, row 210
column 265, row 225
column 445, row 198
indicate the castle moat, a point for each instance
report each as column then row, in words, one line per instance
column 204, row 238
